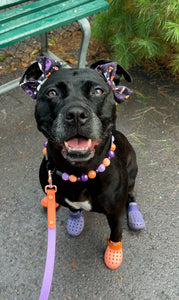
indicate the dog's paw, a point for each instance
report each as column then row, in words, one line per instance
column 113, row 255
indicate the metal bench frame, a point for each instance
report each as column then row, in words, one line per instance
column 86, row 34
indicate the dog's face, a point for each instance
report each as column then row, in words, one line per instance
column 75, row 110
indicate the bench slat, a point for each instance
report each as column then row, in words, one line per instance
column 52, row 22
column 37, row 13
column 9, row 3
column 21, row 11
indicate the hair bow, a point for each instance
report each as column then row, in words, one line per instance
column 37, row 74
column 108, row 72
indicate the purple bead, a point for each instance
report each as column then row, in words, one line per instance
column 101, row 168
column 65, row 176
column 84, row 177
column 45, row 144
column 113, row 138
column 111, row 154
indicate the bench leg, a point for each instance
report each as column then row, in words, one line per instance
column 9, row 86
column 44, row 50
column 44, row 42
column 86, row 34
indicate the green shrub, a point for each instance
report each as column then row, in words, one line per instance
column 141, row 31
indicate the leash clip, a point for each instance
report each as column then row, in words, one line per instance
column 49, row 202
column 50, row 178
column 50, row 185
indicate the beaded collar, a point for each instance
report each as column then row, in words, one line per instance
column 92, row 173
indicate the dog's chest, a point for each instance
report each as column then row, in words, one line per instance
column 79, row 199
column 86, row 205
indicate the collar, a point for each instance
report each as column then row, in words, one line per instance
column 92, row 173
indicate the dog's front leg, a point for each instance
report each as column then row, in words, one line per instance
column 115, row 224
column 113, row 255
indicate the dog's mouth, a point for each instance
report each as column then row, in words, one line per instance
column 78, row 148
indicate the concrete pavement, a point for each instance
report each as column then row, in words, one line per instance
column 150, row 267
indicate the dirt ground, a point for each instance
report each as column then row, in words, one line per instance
column 150, row 267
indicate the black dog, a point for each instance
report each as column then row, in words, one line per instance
column 76, row 112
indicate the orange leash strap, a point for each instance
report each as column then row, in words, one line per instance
column 49, row 202
column 51, row 207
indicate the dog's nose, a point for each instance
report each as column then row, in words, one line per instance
column 76, row 115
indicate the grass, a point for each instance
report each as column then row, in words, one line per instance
column 137, row 137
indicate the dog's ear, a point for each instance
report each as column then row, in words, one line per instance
column 99, row 62
column 120, row 71
column 37, row 74
column 112, row 73
column 29, row 81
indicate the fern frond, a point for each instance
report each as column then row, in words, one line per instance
column 171, row 32
column 140, row 30
column 147, row 47
column 174, row 65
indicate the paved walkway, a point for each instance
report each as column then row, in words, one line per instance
column 150, row 267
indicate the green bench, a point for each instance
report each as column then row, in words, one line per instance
column 20, row 19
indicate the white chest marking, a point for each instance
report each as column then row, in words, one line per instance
column 79, row 205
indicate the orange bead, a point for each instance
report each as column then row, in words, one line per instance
column 113, row 147
column 91, row 174
column 45, row 151
column 72, row 178
column 106, row 162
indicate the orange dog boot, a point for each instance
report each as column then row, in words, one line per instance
column 113, row 255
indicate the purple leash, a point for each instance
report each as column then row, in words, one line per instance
column 51, row 205
column 49, row 266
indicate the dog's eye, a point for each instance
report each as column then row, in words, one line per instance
column 98, row 92
column 52, row 93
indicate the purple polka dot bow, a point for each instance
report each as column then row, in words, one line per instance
column 108, row 72
column 37, row 74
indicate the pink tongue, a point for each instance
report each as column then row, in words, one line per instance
column 78, row 143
